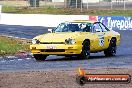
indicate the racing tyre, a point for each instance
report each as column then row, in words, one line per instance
column 85, row 50
column 39, row 57
column 111, row 51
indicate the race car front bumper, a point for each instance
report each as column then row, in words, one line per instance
column 55, row 49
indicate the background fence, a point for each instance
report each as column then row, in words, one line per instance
column 83, row 4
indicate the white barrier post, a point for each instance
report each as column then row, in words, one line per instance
column 76, row 3
column 81, row 5
column 124, row 5
column 0, row 11
column 35, row 4
column 87, row 4
column 54, row 3
column 111, row 5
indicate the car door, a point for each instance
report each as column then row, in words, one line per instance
column 101, row 35
column 106, row 33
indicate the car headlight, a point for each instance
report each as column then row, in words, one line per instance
column 35, row 41
column 70, row 41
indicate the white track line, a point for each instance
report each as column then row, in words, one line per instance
column 28, row 58
column 3, row 61
column 19, row 59
column 11, row 60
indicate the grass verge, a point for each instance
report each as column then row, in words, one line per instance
column 9, row 45
column 66, row 11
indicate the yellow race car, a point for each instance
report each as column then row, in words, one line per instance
column 76, row 38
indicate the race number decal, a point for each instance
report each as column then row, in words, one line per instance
column 101, row 40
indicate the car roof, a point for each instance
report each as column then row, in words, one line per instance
column 81, row 21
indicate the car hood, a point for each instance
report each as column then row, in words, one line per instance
column 57, row 37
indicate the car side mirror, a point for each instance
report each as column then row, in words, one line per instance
column 110, row 28
column 50, row 30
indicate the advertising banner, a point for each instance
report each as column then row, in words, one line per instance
column 117, row 22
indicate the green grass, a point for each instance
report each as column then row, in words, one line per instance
column 66, row 11
column 10, row 46
column 14, row 3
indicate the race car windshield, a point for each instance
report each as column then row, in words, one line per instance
column 72, row 27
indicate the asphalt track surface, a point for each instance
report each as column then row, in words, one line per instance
column 123, row 59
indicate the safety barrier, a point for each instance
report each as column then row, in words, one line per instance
column 47, row 20
column 114, row 22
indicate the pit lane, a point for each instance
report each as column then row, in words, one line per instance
column 123, row 59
